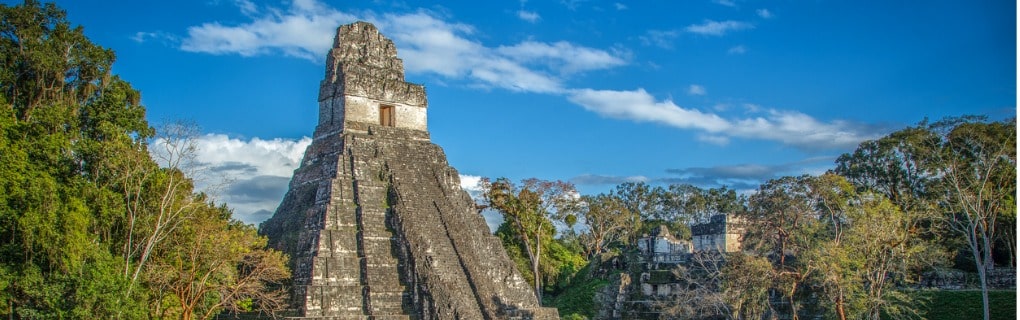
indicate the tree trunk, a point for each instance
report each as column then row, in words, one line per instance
column 839, row 307
column 980, row 263
column 534, row 268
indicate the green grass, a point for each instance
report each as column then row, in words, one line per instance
column 577, row 300
column 952, row 305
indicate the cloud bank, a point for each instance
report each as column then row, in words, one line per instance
column 787, row 127
column 251, row 175
column 742, row 177
column 717, row 28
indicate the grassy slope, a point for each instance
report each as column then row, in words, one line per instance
column 579, row 297
column 952, row 305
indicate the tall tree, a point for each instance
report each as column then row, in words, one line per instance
column 871, row 246
column 975, row 163
column 782, row 226
column 607, row 219
column 159, row 200
column 527, row 209
column 641, row 200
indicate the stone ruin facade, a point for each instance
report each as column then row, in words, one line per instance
column 662, row 247
column 375, row 221
column 722, row 233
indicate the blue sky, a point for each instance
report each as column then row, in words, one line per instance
column 594, row 92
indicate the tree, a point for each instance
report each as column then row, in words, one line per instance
column 894, row 166
column 698, row 290
column 527, row 209
column 159, row 200
column 214, row 264
column 607, row 220
column 975, row 163
column 46, row 62
column 746, row 285
column 871, row 248
column 689, row 204
column 782, row 225
column 642, row 201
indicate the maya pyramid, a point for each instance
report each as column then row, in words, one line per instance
column 375, row 221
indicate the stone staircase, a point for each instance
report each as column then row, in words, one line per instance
column 356, row 271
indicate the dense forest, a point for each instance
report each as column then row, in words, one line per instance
column 100, row 219
column 98, row 214
column 852, row 243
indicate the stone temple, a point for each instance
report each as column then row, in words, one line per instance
column 375, row 221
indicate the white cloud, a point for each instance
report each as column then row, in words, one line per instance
column 659, row 38
column 696, row 90
column 620, row 6
column 254, row 173
column 562, row 55
column 748, row 176
column 528, row 16
column 302, row 31
column 764, row 13
column 717, row 28
column 641, row 106
column 737, row 50
column 140, row 37
column 247, row 7
column 728, row 3
column 430, row 45
column 471, row 184
column 787, row 127
column 572, row 4
column 798, row 129
column 714, row 139
column 159, row 36
column 427, row 44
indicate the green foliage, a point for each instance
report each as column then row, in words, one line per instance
column 577, row 299
column 960, row 171
column 562, row 265
column 608, row 221
column 82, row 204
column 559, row 265
column 528, row 210
column 216, row 264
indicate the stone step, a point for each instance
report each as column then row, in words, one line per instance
column 341, row 216
column 341, row 242
column 381, row 280
column 335, row 271
column 334, row 300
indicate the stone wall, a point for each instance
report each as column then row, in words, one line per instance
column 722, row 233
